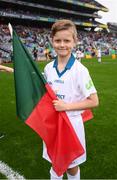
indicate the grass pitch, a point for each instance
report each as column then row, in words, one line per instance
column 21, row 148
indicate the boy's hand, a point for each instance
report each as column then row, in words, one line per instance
column 60, row 105
column 8, row 69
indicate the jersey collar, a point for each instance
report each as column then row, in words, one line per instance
column 68, row 65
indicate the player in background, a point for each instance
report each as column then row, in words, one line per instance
column 79, row 55
column 99, row 55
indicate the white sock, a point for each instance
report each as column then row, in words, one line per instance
column 76, row 177
column 54, row 176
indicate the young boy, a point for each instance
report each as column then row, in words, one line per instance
column 7, row 69
column 73, row 86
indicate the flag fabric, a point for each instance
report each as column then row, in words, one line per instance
column 87, row 115
column 34, row 106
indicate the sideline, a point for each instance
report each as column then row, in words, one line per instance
column 9, row 172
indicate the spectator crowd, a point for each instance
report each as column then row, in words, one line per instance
column 38, row 42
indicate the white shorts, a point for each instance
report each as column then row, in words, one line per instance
column 78, row 126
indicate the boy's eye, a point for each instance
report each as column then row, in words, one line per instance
column 57, row 40
column 66, row 40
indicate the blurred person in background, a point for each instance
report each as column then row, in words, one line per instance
column 99, row 55
column 10, row 70
column 35, row 53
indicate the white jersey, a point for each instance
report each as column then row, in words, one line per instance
column 74, row 84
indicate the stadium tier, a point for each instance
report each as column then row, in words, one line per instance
column 112, row 27
column 44, row 13
column 25, row 17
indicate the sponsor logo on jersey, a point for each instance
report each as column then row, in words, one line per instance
column 60, row 96
column 89, row 84
column 59, row 81
column 49, row 82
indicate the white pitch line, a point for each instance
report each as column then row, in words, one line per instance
column 9, row 172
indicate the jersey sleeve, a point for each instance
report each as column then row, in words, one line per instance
column 86, row 84
column 45, row 72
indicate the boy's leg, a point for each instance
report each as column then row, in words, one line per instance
column 73, row 173
column 54, row 176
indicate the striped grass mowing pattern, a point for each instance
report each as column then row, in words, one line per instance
column 21, row 148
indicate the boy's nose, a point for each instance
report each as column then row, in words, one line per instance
column 62, row 43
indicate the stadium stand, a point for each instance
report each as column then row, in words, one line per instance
column 33, row 19
column 112, row 27
column 83, row 13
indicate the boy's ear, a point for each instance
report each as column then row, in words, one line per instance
column 75, row 41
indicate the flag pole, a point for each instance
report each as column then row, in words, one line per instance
column 10, row 29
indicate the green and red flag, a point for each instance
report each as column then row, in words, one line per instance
column 34, row 106
column 87, row 115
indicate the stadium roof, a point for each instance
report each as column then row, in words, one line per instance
column 87, row 3
column 83, row 13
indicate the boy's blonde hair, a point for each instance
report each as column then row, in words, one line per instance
column 64, row 24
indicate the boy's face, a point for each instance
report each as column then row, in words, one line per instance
column 63, row 42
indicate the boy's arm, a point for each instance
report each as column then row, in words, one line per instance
column 91, row 102
column 5, row 68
